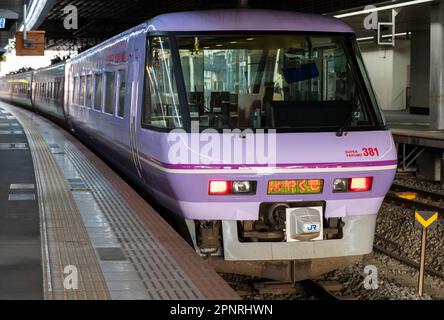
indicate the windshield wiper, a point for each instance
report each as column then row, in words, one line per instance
column 342, row 131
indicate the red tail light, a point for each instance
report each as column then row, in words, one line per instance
column 360, row 184
column 219, row 187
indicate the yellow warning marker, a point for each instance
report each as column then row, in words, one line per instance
column 424, row 220
column 406, row 195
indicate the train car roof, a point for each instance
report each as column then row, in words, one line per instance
column 246, row 20
column 57, row 65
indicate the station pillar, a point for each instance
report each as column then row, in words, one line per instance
column 437, row 66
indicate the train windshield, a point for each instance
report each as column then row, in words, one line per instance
column 286, row 81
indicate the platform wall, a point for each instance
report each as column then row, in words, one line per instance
column 389, row 70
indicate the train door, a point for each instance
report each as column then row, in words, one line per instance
column 135, row 86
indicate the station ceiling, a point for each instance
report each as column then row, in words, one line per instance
column 101, row 19
column 6, row 7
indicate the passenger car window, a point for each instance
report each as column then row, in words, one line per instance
column 75, row 91
column 82, row 91
column 122, row 92
column 89, row 88
column 98, row 91
column 110, row 92
column 57, row 92
column 161, row 102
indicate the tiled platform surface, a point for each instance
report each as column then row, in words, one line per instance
column 96, row 226
column 20, row 250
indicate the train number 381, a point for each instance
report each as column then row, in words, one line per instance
column 370, row 152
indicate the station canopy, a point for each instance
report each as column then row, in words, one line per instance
column 101, row 19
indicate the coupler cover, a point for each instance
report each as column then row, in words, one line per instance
column 304, row 223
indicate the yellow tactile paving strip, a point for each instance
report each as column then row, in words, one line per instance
column 65, row 240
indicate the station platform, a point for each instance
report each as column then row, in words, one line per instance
column 419, row 136
column 71, row 228
column 413, row 129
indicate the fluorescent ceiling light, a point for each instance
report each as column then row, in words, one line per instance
column 365, row 38
column 392, row 6
column 33, row 14
column 384, row 36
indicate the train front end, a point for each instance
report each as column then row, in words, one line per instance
column 281, row 158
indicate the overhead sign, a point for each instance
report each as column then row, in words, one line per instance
column 2, row 23
column 425, row 219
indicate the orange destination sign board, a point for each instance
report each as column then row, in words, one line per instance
column 302, row 186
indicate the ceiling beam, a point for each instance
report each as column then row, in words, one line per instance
column 8, row 14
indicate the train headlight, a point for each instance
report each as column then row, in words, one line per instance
column 352, row 184
column 224, row 187
column 242, row 187
column 219, row 187
column 340, row 185
column 361, row 184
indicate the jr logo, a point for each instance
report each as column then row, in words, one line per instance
column 312, row 227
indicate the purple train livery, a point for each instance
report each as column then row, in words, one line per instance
column 259, row 130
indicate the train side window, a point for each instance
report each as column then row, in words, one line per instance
column 161, row 101
column 122, row 92
column 98, row 90
column 89, row 89
column 110, row 92
column 57, row 90
column 75, row 92
column 82, row 91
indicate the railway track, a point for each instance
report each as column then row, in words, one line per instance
column 249, row 288
column 318, row 290
column 426, row 200
column 407, row 261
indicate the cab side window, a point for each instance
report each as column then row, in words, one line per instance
column 161, row 101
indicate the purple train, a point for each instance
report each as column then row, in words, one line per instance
column 258, row 129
